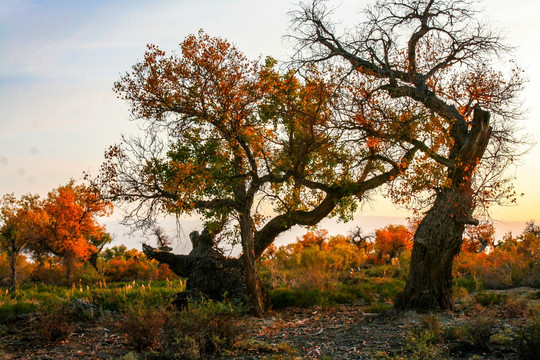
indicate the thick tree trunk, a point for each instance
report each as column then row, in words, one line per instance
column 69, row 261
column 208, row 272
column 439, row 236
column 256, row 298
column 437, row 241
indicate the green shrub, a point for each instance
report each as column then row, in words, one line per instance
column 527, row 340
column 424, row 341
column 282, row 298
column 490, row 298
column 468, row 282
column 203, row 330
column 341, row 297
column 388, row 288
column 381, row 271
column 377, row 308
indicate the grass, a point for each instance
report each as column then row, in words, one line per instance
column 110, row 297
column 372, row 291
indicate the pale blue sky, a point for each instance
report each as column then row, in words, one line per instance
column 59, row 60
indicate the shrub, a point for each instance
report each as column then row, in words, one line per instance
column 378, row 308
column 282, row 298
column 490, row 298
column 142, row 325
column 341, row 297
column 424, row 341
column 477, row 331
column 527, row 340
column 388, row 288
column 54, row 323
column 515, row 307
column 203, row 330
column 468, row 282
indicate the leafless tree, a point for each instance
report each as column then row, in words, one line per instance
column 163, row 240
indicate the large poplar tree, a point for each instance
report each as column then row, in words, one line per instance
column 424, row 69
column 251, row 150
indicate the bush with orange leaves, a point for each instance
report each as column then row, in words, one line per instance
column 514, row 261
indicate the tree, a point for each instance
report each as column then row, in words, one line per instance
column 392, row 240
column 424, row 67
column 71, row 230
column 360, row 240
column 479, row 238
column 98, row 242
column 249, row 149
column 163, row 240
column 18, row 219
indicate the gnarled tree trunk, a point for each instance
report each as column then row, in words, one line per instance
column 437, row 241
column 209, row 273
column 439, row 236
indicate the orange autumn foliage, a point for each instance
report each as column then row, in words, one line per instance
column 121, row 264
column 70, row 222
column 479, row 238
column 392, row 241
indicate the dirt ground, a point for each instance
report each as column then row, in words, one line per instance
column 342, row 332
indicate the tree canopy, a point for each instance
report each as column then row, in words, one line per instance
column 253, row 150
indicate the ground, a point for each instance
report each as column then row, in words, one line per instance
column 342, row 332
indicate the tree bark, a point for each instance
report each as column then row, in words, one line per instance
column 208, row 272
column 258, row 305
column 69, row 261
column 13, row 265
column 437, row 241
column 439, row 236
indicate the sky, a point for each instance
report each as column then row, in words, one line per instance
column 59, row 60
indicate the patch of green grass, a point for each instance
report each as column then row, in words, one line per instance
column 282, row 298
column 17, row 307
column 378, row 308
column 485, row 298
column 372, row 291
column 468, row 282
column 115, row 296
